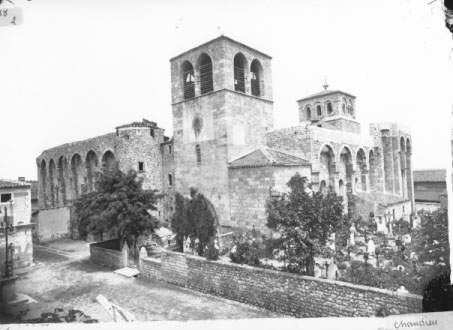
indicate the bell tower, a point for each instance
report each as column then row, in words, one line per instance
column 222, row 106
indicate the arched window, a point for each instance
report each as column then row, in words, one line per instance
column 318, row 111
column 256, row 72
column 240, row 65
column 188, row 80
column 351, row 108
column 308, row 113
column 198, row 152
column 206, row 80
column 329, row 108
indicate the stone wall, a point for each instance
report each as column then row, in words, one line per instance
column 286, row 293
column 52, row 224
column 249, row 191
column 107, row 254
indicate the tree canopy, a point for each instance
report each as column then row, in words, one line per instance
column 304, row 221
column 194, row 218
column 119, row 206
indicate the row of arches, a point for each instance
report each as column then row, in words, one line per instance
column 202, row 76
column 318, row 110
column 360, row 173
column 64, row 180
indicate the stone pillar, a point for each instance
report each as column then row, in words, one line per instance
column 397, row 180
column 387, row 154
column 125, row 253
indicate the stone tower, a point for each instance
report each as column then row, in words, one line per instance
column 137, row 146
column 222, row 107
column 332, row 106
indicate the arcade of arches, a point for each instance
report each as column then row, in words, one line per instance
column 63, row 180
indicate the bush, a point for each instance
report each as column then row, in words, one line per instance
column 211, row 253
column 246, row 254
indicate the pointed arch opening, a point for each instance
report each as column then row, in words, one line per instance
column 373, row 171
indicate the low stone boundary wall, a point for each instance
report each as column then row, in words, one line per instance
column 106, row 253
column 286, row 293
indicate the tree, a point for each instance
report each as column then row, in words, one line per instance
column 119, row 206
column 179, row 222
column 194, row 218
column 304, row 220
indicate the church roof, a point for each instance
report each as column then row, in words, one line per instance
column 430, row 175
column 143, row 123
column 13, row 184
column 222, row 37
column 267, row 157
column 324, row 93
column 382, row 199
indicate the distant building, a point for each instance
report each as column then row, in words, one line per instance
column 430, row 188
column 15, row 197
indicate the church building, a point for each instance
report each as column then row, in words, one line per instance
column 224, row 144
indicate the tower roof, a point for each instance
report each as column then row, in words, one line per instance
column 325, row 93
column 222, row 37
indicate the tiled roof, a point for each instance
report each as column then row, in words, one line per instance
column 268, row 157
column 13, row 184
column 432, row 195
column 143, row 123
column 429, row 175
column 324, row 93
column 380, row 198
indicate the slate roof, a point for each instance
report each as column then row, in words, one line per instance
column 324, row 93
column 429, row 175
column 267, row 157
column 382, row 199
column 13, row 184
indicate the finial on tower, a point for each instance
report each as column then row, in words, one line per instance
column 325, row 83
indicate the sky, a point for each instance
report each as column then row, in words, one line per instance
column 77, row 69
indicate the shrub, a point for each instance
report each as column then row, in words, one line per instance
column 211, row 253
column 246, row 254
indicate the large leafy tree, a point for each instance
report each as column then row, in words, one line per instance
column 304, row 220
column 119, row 206
column 194, row 218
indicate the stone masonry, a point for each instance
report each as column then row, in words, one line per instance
column 222, row 108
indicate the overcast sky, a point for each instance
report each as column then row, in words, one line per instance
column 77, row 69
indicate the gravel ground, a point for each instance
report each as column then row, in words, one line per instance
column 75, row 283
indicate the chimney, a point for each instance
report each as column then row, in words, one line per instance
column 21, row 179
